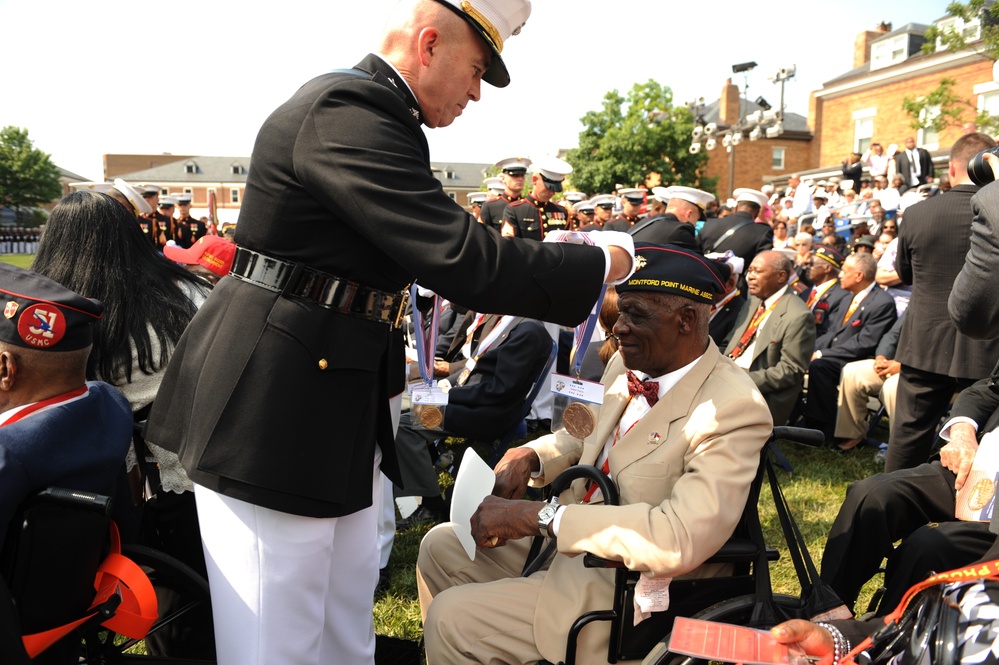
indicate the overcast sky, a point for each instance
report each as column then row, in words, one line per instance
column 199, row 76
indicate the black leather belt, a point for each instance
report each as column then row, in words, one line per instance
column 329, row 291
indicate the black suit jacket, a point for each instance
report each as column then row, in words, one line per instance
column 974, row 300
column 746, row 242
column 981, row 404
column 280, row 402
column 933, row 241
column 665, row 229
column 825, row 305
column 904, row 166
column 859, row 337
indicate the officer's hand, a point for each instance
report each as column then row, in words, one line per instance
column 513, row 472
column 497, row 520
column 959, row 452
column 813, row 639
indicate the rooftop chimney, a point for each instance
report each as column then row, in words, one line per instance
column 729, row 105
column 862, row 45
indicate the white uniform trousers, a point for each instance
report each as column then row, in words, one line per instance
column 289, row 589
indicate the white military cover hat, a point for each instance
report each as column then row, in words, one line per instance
column 633, row 194
column 477, row 197
column 552, row 170
column 167, row 201
column 134, row 196
column 91, row 186
column 603, row 200
column 751, row 195
column 574, row 197
column 183, row 198
column 495, row 21
column 514, row 165
column 585, row 206
column 149, row 190
column 689, row 194
column 494, row 184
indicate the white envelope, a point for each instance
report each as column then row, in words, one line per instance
column 474, row 483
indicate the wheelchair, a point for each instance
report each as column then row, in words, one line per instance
column 744, row 598
column 57, row 544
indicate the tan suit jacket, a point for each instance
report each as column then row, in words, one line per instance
column 784, row 346
column 681, row 494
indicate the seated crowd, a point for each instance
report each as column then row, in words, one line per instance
column 804, row 307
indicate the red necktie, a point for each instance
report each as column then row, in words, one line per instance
column 650, row 389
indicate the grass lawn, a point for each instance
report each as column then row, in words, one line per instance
column 19, row 260
column 814, row 492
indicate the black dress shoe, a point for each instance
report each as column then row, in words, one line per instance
column 384, row 581
column 420, row 516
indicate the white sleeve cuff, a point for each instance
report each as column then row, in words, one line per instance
column 945, row 432
column 557, row 520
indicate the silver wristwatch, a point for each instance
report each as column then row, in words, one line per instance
column 545, row 517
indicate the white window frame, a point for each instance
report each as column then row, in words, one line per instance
column 778, row 163
column 927, row 137
column 888, row 52
column 861, row 119
column 234, row 195
column 970, row 30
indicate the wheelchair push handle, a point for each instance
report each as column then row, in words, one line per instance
column 592, row 473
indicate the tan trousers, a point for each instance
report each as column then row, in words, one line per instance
column 478, row 611
column 858, row 383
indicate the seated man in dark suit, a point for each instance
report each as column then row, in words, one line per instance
column 728, row 306
column 826, row 293
column 916, row 505
column 55, row 427
column 680, row 429
column 508, row 354
column 774, row 335
column 856, row 326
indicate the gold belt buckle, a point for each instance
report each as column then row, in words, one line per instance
column 402, row 307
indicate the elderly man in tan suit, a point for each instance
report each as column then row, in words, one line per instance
column 680, row 429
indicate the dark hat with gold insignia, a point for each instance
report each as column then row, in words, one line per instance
column 673, row 269
column 42, row 314
column 830, row 255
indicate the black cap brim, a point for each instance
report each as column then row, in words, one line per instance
column 497, row 74
column 553, row 185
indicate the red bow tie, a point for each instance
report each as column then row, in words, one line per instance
column 648, row 388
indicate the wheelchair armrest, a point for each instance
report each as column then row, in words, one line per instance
column 736, row 550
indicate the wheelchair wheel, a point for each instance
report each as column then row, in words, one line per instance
column 736, row 611
column 183, row 633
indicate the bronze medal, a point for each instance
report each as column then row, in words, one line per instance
column 463, row 376
column 578, row 420
column 430, row 416
column 981, row 494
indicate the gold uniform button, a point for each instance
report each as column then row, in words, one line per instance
column 323, row 364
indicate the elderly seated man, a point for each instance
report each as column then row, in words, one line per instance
column 55, row 427
column 679, row 432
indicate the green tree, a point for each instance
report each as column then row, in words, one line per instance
column 942, row 107
column 639, row 140
column 28, row 177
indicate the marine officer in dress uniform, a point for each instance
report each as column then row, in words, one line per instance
column 279, row 398
column 163, row 229
column 475, row 201
column 683, row 207
column 632, row 200
column 494, row 188
column 603, row 210
column 584, row 214
column 187, row 230
column 536, row 215
column 513, row 171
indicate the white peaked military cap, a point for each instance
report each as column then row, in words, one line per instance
column 583, row 206
column 574, row 197
column 633, row 194
column 552, row 170
column 477, row 197
column 751, row 195
column 183, row 198
column 134, row 196
column 168, row 201
column 494, row 184
column 691, row 195
column 603, row 199
column 513, row 165
column 495, row 21
column 91, row 186
column 661, row 194
column 148, row 190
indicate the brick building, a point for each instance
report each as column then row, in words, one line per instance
column 226, row 176
column 864, row 105
column 751, row 163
